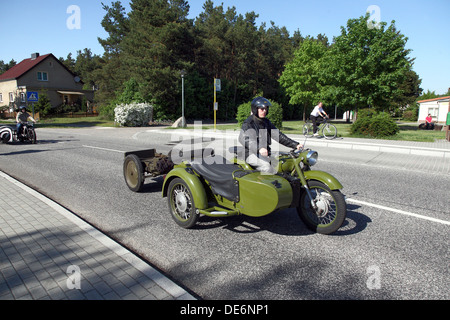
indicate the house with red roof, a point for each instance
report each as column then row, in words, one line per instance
column 42, row 74
column 438, row 108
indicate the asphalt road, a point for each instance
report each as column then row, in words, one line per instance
column 393, row 245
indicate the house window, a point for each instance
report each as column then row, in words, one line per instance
column 11, row 97
column 1, row 97
column 42, row 76
column 433, row 111
column 22, row 97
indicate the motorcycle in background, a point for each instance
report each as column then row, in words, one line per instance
column 10, row 134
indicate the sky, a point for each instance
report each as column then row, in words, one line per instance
column 66, row 26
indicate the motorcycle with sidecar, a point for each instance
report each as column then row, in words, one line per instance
column 10, row 134
column 215, row 187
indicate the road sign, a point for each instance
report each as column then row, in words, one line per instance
column 32, row 96
column 218, row 85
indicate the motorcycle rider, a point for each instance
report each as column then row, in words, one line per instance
column 257, row 133
column 22, row 118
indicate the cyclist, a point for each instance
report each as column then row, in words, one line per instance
column 315, row 115
column 21, row 118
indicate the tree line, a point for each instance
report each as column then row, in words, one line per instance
column 147, row 47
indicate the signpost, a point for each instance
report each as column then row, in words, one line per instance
column 183, row 123
column 32, row 96
column 448, row 123
column 217, row 88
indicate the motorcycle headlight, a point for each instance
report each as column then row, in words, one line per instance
column 311, row 158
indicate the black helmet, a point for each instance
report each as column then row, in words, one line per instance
column 259, row 103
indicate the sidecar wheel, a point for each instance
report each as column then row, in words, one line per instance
column 331, row 208
column 6, row 137
column 133, row 172
column 181, row 204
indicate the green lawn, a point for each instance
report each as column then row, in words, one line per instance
column 408, row 131
column 81, row 122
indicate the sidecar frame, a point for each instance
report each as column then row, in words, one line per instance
column 143, row 164
column 146, row 164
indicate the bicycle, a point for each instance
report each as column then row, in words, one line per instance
column 328, row 130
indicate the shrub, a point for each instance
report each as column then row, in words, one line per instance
column 275, row 113
column 43, row 106
column 409, row 115
column 134, row 114
column 375, row 125
column 243, row 112
column 107, row 111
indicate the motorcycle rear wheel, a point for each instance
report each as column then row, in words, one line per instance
column 31, row 135
column 181, row 204
column 331, row 208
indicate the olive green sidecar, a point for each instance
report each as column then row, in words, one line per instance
column 223, row 189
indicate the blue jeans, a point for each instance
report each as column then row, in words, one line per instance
column 19, row 127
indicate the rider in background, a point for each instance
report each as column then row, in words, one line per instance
column 257, row 133
column 22, row 118
column 315, row 114
column 429, row 122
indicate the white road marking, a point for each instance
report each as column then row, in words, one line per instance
column 347, row 199
column 104, row 149
column 398, row 211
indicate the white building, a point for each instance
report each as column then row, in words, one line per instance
column 437, row 107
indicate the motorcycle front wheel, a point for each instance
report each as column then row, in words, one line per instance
column 181, row 204
column 31, row 135
column 330, row 211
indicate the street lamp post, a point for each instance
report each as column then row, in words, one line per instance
column 183, row 73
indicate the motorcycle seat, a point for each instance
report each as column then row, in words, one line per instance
column 220, row 177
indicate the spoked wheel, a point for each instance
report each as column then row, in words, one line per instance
column 308, row 129
column 329, row 131
column 5, row 137
column 31, row 136
column 181, row 204
column 133, row 172
column 330, row 211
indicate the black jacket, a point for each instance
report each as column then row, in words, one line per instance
column 257, row 133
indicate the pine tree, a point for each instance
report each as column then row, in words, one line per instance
column 157, row 47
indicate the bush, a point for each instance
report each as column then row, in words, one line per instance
column 375, row 125
column 43, row 106
column 107, row 111
column 134, row 114
column 275, row 113
column 243, row 112
column 409, row 115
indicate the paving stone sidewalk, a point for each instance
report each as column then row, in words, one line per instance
column 47, row 253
